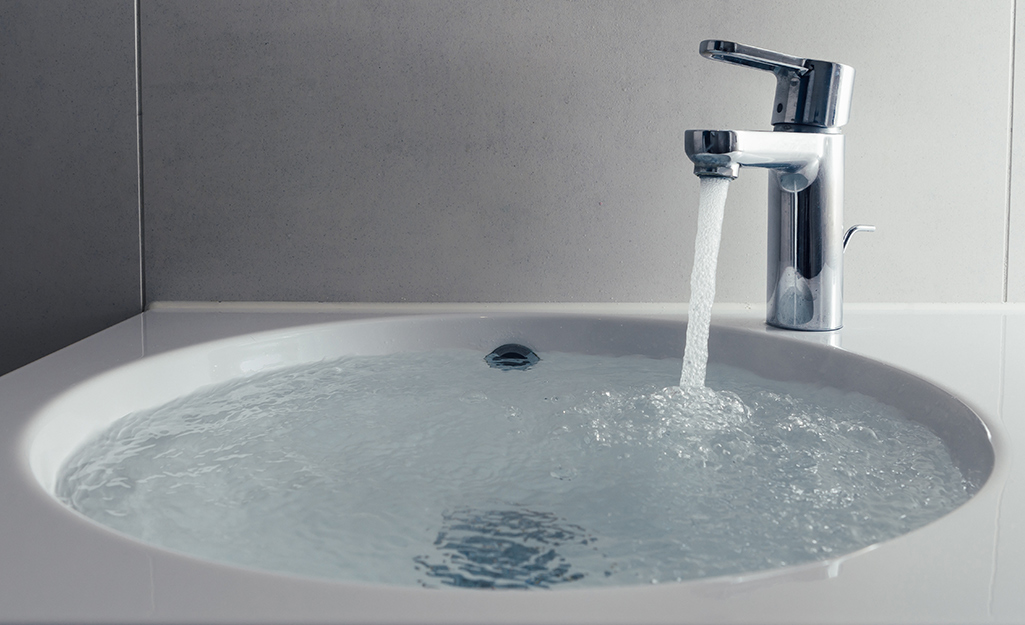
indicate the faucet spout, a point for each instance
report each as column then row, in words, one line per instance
column 795, row 157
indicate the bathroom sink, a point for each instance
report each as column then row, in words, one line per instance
column 81, row 413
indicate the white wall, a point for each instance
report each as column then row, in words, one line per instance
column 532, row 151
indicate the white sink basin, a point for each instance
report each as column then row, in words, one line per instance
column 59, row 403
column 84, row 411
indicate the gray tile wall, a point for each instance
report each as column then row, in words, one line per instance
column 69, row 229
column 474, row 151
column 531, row 151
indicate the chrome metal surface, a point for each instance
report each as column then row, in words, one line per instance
column 809, row 92
column 856, row 228
column 805, row 153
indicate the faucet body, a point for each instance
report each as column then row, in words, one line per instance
column 804, row 272
column 805, row 158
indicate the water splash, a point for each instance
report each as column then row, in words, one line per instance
column 702, row 280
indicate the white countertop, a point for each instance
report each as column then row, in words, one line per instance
column 968, row 567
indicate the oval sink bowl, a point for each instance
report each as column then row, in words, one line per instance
column 388, row 451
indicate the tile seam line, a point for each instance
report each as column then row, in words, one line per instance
column 139, row 164
column 1010, row 155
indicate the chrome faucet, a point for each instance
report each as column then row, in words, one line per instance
column 804, row 155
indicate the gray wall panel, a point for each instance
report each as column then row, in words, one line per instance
column 69, row 230
column 531, row 151
column 471, row 151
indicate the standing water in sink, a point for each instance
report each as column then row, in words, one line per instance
column 432, row 468
column 702, row 280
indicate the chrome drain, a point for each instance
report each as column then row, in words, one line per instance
column 512, row 356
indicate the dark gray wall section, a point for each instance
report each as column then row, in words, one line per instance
column 69, row 229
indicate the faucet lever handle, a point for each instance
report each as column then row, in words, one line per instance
column 750, row 56
column 809, row 93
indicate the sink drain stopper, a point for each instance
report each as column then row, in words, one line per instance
column 512, row 356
